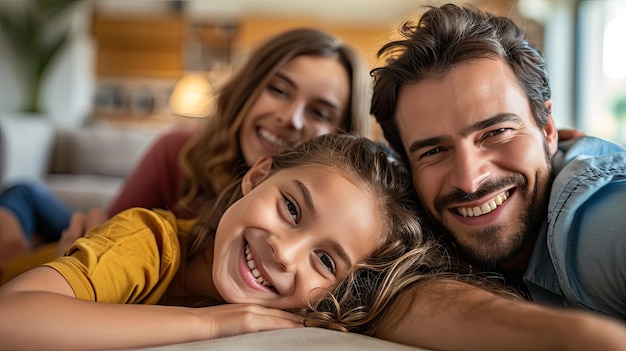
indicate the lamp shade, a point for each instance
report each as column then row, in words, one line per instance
column 192, row 96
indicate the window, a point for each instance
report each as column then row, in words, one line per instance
column 601, row 69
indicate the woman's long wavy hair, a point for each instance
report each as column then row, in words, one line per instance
column 212, row 159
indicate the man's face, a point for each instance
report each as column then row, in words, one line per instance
column 480, row 163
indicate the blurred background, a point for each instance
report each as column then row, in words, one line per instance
column 118, row 61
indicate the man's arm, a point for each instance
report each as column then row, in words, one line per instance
column 456, row 316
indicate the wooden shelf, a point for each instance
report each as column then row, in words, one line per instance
column 140, row 46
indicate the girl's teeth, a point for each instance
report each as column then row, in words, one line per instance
column 252, row 266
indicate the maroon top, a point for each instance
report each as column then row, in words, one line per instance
column 157, row 179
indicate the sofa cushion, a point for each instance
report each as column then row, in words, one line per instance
column 83, row 192
column 300, row 339
column 100, row 150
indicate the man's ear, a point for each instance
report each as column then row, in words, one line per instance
column 256, row 174
column 550, row 132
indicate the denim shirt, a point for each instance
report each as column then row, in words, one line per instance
column 579, row 259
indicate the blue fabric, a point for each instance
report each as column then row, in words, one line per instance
column 579, row 259
column 38, row 209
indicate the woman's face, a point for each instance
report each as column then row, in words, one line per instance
column 306, row 98
column 294, row 232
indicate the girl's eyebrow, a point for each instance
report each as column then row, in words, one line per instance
column 306, row 195
column 308, row 201
column 341, row 253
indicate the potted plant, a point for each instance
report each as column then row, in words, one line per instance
column 35, row 31
column 37, row 34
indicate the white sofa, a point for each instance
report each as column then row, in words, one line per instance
column 88, row 165
column 84, row 166
column 301, row 339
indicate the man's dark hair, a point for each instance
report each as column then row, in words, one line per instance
column 444, row 37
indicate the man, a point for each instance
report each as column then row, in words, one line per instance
column 466, row 100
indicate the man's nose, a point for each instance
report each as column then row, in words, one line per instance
column 469, row 169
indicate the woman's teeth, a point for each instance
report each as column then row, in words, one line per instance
column 271, row 138
column 252, row 266
column 484, row 208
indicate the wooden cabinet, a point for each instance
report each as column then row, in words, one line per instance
column 140, row 46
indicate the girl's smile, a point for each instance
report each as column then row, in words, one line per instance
column 291, row 234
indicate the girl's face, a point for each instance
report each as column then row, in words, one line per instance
column 297, row 230
column 306, row 98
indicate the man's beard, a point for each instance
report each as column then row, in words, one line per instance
column 490, row 247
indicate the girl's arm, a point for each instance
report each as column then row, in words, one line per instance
column 38, row 311
column 456, row 316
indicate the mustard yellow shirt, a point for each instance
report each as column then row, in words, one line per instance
column 130, row 259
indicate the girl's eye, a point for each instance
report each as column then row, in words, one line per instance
column 292, row 210
column 327, row 261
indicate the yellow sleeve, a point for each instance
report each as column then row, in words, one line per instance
column 132, row 258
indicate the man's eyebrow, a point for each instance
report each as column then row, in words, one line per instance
column 486, row 123
column 480, row 125
column 306, row 195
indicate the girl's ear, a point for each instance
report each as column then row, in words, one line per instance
column 256, row 174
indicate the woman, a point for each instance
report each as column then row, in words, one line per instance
column 297, row 85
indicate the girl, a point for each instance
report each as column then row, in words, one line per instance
column 299, row 84
column 290, row 229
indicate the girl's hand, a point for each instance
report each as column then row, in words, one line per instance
column 236, row 319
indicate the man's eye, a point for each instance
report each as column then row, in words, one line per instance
column 327, row 261
column 496, row 132
column 432, row 152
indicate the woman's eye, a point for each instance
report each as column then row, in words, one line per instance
column 322, row 115
column 327, row 261
column 292, row 210
column 277, row 90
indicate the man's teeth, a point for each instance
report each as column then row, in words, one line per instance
column 255, row 272
column 484, row 208
column 271, row 138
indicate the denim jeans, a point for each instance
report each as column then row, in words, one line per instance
column 37, row 209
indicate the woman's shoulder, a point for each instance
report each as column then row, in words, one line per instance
column 176, row 135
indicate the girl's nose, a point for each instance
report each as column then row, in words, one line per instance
column 286, row 249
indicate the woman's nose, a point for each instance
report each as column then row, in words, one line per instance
column 293, row 116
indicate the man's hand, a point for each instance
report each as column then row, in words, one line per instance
column 566, row 134
column 80, row 224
